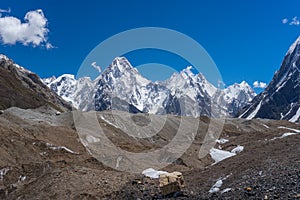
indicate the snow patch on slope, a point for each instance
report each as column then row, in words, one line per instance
column 3, row 172
column 152, row 173
column 57, row 148
column 216, row 187
column 296, row 116
column 222, row 141
column 3, row 57
column 237, row 149
column 252, row 115
column 283, row 136
column 291, row 129
column 108, row 121
column 218, row 155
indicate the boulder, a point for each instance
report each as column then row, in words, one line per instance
column 171, row 183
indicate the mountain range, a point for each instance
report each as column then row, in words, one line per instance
column 121, row 87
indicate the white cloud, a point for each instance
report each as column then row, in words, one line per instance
column 258, row 84
column 48, row 45
column 285, row 20
column 4, row 11
column 97, row 67
column 31, row 32
column 295, row 21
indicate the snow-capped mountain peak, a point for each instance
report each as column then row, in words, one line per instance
column 244, row 84
column 235, row 90
column 3, row 57
column 63, row 85
column 187, row 73
column 185, row 80
column 79, row 92
column 66, row 77
column 281, row 99
column 121, row 64
column 234, row 97
column 49, row 80
column 120, row 86
column 294, row 46
column 122, row 68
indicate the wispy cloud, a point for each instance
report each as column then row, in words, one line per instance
column 258, row 84
column 33, row 31
column 97, row 67
column 293, row 22
column 48, row 45
column 4, row 11
column 285, row 20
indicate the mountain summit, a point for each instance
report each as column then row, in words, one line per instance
column 121, row 87
column 281, row 99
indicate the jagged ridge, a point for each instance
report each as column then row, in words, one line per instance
column 22, row 88
column 122, row 87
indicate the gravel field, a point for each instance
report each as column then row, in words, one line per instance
column 41, row 157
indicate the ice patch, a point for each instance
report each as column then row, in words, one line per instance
column 222, row 141
column 283, row 136
column 22, row 178
column 216, row 187
column 107, row 121
column 3, row 172
column 225, row 190
column 291, row 129
column 152, row 173
column 266, row 126
column 218, row 155
column 57, row 148
column 237, row 149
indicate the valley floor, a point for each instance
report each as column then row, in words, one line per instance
column 41, row 157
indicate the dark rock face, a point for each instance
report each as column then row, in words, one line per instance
column 121, row 87
column 281, row 99
column 24, row 89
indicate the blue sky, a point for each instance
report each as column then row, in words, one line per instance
column 246, row 39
